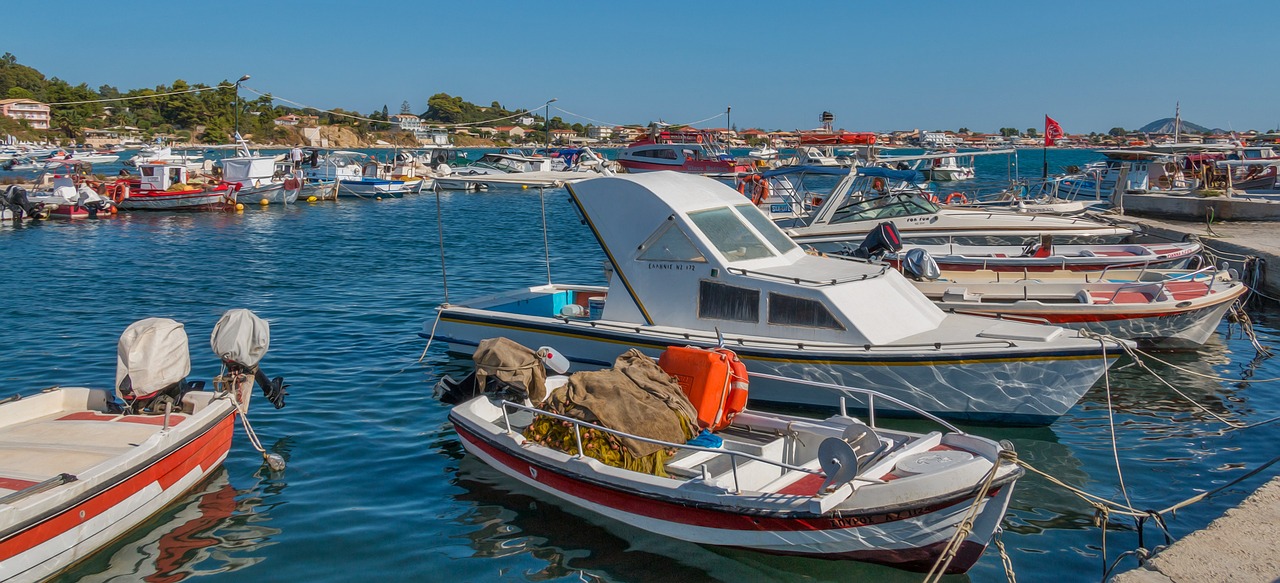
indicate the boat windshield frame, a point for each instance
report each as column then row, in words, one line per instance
column 730, row 235
column 892, row 205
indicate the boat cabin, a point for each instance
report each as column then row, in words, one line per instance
column 686, row 237
column 336, row 165
column 161, row 176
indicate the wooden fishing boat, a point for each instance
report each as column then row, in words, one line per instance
column 165, row 186
column 834, row 488
column 80, row 467
column 1179, row 310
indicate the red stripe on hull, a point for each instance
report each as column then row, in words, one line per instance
column 204, row 451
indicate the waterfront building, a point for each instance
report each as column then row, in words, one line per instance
column 33, row 112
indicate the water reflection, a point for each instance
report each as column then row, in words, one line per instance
column 213, row 529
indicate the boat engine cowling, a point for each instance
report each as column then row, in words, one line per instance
column 881, row 240
column 241, row 339
column 920, row 266
column 152, row 361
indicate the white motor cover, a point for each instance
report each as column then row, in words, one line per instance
column 240, row 336
column 152, row 354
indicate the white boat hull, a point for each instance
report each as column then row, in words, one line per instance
column 999, row 386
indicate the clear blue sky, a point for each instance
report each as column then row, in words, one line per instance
column 1092, row 65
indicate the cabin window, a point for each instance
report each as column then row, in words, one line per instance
column 883, row 207
column 670, row 243
column 729, row 234
column 793, row 311
column 771, row 232
column 718, row 301
column 148, row 170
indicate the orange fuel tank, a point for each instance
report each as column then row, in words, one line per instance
column 715, row 381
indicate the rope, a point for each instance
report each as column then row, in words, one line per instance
column 1005, row 560
column 433, row 334
column 1111, row 421
column 151, row 96
column 567, row 112
column 965, row 527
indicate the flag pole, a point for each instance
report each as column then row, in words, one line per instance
column 1044, row 150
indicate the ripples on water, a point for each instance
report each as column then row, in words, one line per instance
column 378, row 486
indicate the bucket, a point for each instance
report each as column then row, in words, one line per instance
column 595, row 308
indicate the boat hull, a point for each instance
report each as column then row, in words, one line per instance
column 375, row 188
column 177, row 201
column 909, row 538
column 96, row 510
column 1002, row 385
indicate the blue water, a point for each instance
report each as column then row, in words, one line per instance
column 378, row 487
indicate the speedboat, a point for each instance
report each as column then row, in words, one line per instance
column 834, row 488
column 869, row 196
column 165, row 155
column 68, row 191
column 1174, row 309
column 81, row 467
column 947, row 168
column 257, row 178
column 692, row 262
column 691, row 152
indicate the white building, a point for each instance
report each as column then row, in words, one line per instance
column 600, row 132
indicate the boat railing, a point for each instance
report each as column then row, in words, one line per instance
column 578, row 424
column 32, row 490
column 766, row 342
column 858, row 393
column 800, row 280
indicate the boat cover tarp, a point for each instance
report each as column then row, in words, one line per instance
column 636, row 397
column 511, row 363
column 877, row 172
column 152, row 354
column 240, row 336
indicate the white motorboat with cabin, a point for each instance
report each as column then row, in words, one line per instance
column 690, row 258
column 81, row 467
column 258, row 178
column 871, row 195
column 355, row 175
column 835, row 488
column 947, row 168
column 692, row 152
column 166, row 155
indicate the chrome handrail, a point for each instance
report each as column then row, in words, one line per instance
column 577, row 433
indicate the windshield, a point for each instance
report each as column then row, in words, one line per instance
column 771, row 232
column 900, row 204
column 729, row 234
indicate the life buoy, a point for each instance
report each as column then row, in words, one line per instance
column 759, row 188
column 878, row 184
column 118, row 191
column 951, row 198
column 736, row 400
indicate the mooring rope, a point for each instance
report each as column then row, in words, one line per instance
column 965, row 527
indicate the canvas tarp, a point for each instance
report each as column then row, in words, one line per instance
column 152, row 354
column 240, row 336
column 508, row 361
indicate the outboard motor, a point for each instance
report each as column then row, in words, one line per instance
column 240, row 339
column 920, row 266
column 152, row 364
column 881, row 240
column 16, row 200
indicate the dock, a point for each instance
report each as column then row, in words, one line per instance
column 1242, row 545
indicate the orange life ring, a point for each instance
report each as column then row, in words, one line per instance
column 759, row 187
column 118, row 191
column 957, row 196
column 736, row 400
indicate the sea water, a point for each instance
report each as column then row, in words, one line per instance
column 378, row 487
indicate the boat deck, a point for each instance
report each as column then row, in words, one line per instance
column 38, row 449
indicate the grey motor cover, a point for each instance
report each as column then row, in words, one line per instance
column 240, row 336
column 919, row 265
column 152, row 354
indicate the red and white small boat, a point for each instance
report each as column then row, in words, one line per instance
column 164, row 186
column 834, row 488
column 78, row 469
column 1173, row 309
column 691, row 152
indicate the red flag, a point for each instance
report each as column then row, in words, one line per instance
column 1052, row 131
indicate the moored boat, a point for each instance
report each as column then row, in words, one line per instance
column 164, row 186
column 81, row 467
column 692, row 152
column 834, row 488
column 1045, row 255
column 1179, row 309
column 692, row 262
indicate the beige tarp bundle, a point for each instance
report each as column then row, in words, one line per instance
column 510, row 362
column 635, row 396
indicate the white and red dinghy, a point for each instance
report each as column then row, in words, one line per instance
column 78, row 469
column 834, row 488
column 1049, row 257
column 1162, row 309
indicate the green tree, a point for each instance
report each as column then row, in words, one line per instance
column 1009, row 132
column 405, row 108
column 1117, row 132
column 963, row 131
column 19, row 93
column 1031, row 133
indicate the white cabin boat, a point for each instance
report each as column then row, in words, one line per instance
column 689, row 256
